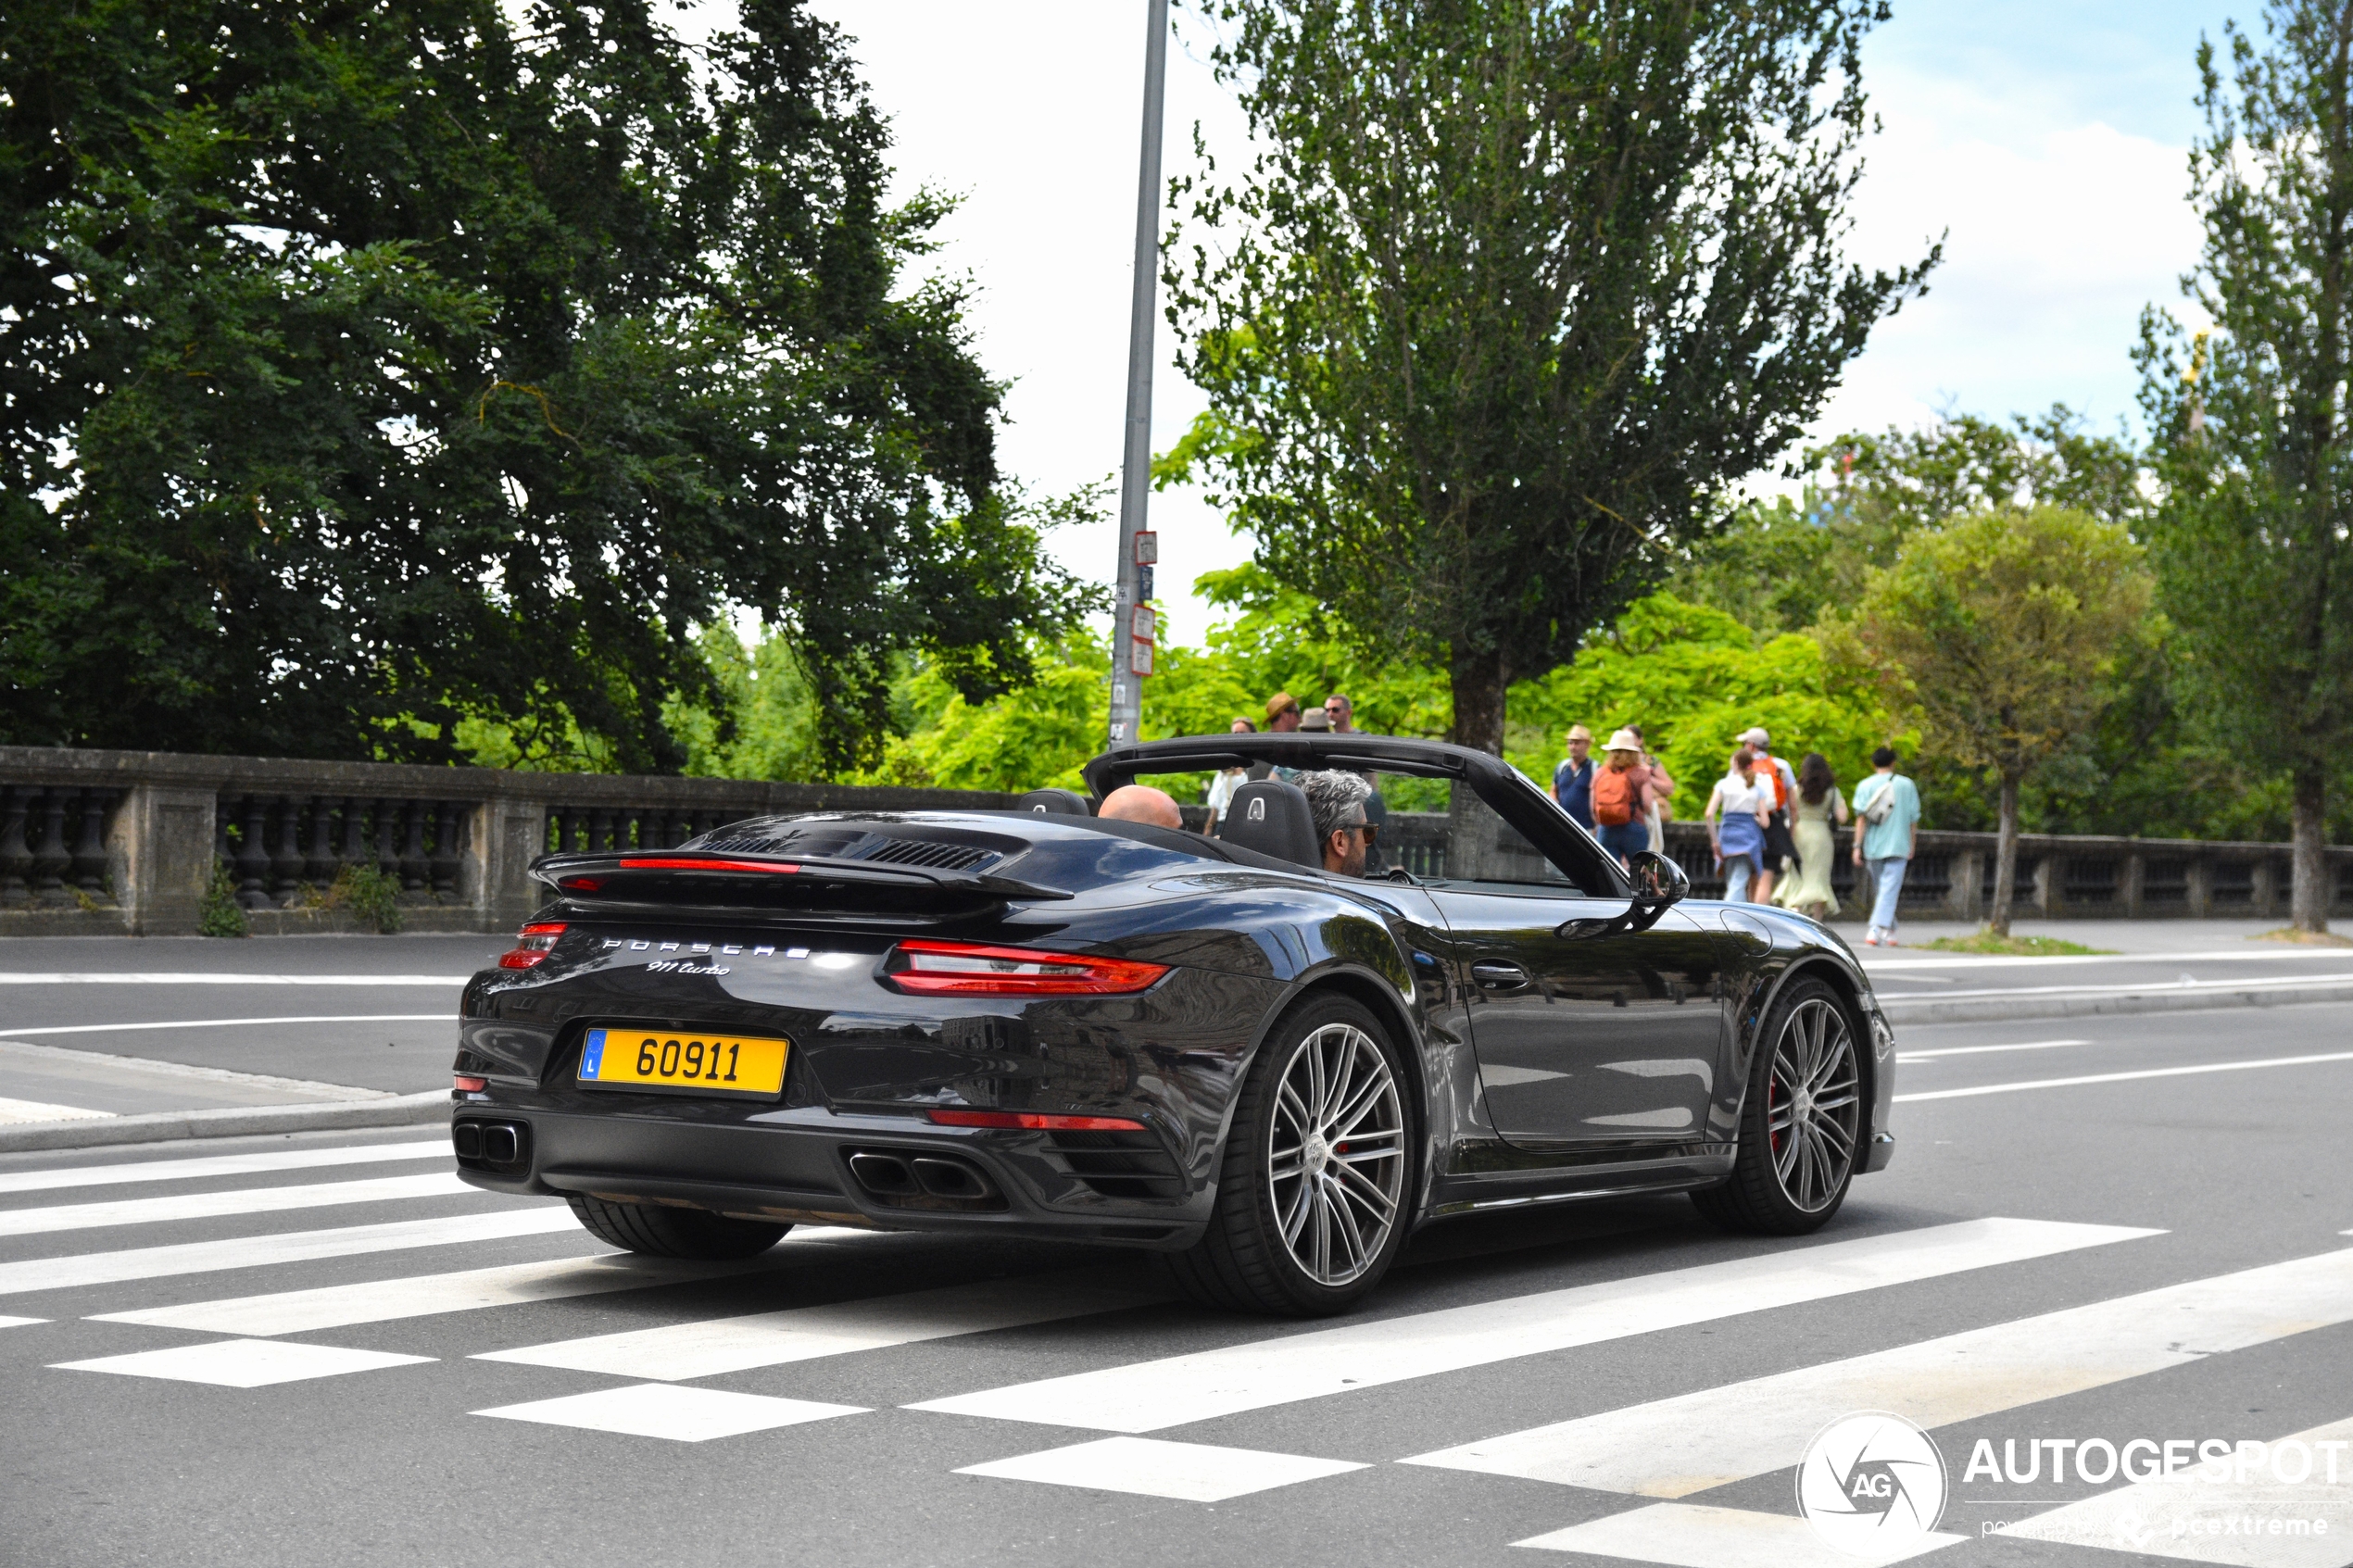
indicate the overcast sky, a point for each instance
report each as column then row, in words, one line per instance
column 2046, row 140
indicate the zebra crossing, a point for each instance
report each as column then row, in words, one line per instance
column 1120, row 1392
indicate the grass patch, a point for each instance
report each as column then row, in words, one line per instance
column 2303, row 938
column 2012, row 947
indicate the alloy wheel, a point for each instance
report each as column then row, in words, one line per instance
column 1336, row 1153
column 1813, row 1104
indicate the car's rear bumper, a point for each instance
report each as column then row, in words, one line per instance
column 1032, row 1184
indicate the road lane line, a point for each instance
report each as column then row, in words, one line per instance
column 1984, row 1050
column 1150, row 1467
column 188, row 1170
column 68, row 1057
column 2201, row 1520
column 1694, row 1535
column 233, row 1023
column 243, row 1363
column 1149, row 1396
column 2124, row 1077
column 286, row 1246
column 2162, row 987
column 214, row 1205
column 674, row 1352
column 339, row 1306
column 1675, row 1447
column 664, row 1410
column 211, row 977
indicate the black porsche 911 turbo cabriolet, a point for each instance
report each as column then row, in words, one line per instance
column 1042, row 1022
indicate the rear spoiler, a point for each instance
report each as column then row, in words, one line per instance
column 689, row 876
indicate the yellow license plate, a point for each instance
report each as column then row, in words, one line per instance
column 679, row 1058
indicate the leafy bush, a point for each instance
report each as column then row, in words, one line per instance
column 222, row 914
column 369, row 892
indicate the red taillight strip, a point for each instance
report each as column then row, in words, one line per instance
column 532, row 944
column 1084, row 975
column 703, row 864
column 1031, row 1120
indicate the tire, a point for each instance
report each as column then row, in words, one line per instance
column 661, row 1232
column 1801, row 1125
column 1305, row 1224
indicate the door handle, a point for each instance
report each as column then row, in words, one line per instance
column 1495, row 976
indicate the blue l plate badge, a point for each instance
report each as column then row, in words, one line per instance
column 592, row 1054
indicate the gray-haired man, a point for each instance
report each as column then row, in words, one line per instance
column 1336, row 800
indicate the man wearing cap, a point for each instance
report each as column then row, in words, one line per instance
column 1573, row 779
column 1282, row 718
column 1781, row 847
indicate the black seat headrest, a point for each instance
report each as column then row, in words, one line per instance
column 1272, row 817
column 1055, row 803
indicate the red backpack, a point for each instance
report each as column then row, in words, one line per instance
column 1613, row 797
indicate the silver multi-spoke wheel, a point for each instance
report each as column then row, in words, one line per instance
column 1336, row 1153
column 1813, row 1102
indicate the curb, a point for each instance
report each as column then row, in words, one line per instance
column 2155, row 999
column 229, row 1121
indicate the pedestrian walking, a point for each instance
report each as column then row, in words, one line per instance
column 1818, row 810
column 1315, row 720
column 1662, row 795
column 1737, row 810
column 1781, row 847
column 1887, row 808
column 1222, row 788
column 1621, row 799
column 1573, row 779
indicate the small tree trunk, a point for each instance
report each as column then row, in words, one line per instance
column 2308, row 833
column 1478, row 678
column 2005, row 858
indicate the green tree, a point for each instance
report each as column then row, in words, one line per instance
column 1997, row 635
column 1514, row 289
column 372, row 369
column 2255, row 445
column 1779, row 564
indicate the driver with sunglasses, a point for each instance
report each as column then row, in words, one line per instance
column 1343, row 830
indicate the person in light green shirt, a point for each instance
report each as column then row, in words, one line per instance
column 1887, row 817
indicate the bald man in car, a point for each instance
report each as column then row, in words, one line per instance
column 1141, row 802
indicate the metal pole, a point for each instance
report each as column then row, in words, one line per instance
column 1135, row 479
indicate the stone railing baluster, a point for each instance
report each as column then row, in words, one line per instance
column 285, row 860
column 50, row 859
column 449, row 820
column 415, row 870
column 89, row 873
column 355, row 851
column 16, row 856
column 318, row 861
column 387, row 821
column 252, row 860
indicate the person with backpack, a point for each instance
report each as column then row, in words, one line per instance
column 1887, row 814
column 1622, row 798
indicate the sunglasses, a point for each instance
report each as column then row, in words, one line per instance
column 1372, row 833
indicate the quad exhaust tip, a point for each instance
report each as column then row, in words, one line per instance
column 893, row 1175
column 488, row 1143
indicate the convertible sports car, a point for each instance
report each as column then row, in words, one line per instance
column 1046, row 1024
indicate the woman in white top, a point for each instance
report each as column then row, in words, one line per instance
column 1222, row 788
column 1737, row 808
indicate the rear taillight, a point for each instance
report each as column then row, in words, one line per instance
column 970, row 969
column 704, row 863
column 1033, row 1121
column 467, row 1084
column 532, row 945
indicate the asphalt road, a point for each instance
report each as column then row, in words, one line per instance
column 2102, row 1255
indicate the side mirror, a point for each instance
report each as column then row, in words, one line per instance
column 1657, row 879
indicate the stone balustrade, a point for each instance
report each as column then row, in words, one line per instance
column 127, row 842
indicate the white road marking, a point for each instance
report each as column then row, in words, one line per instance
column 674, row 1352
column 1152, row 1468
column 1673, row 1448
column 1694, row 1535
column 2124, row 1077
column 214, row 1205
column 2261, row 1524
column 286, row 1246
column 1147, row 1396
column 233, row 1023
column 213, row 977
column 243, row 1363
column 339, row 1306
column 19, row 1322
column 190, row 1170
column 2169, row 987
column 22, row 1112
column 1982, row 1050
column 664, row 1410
